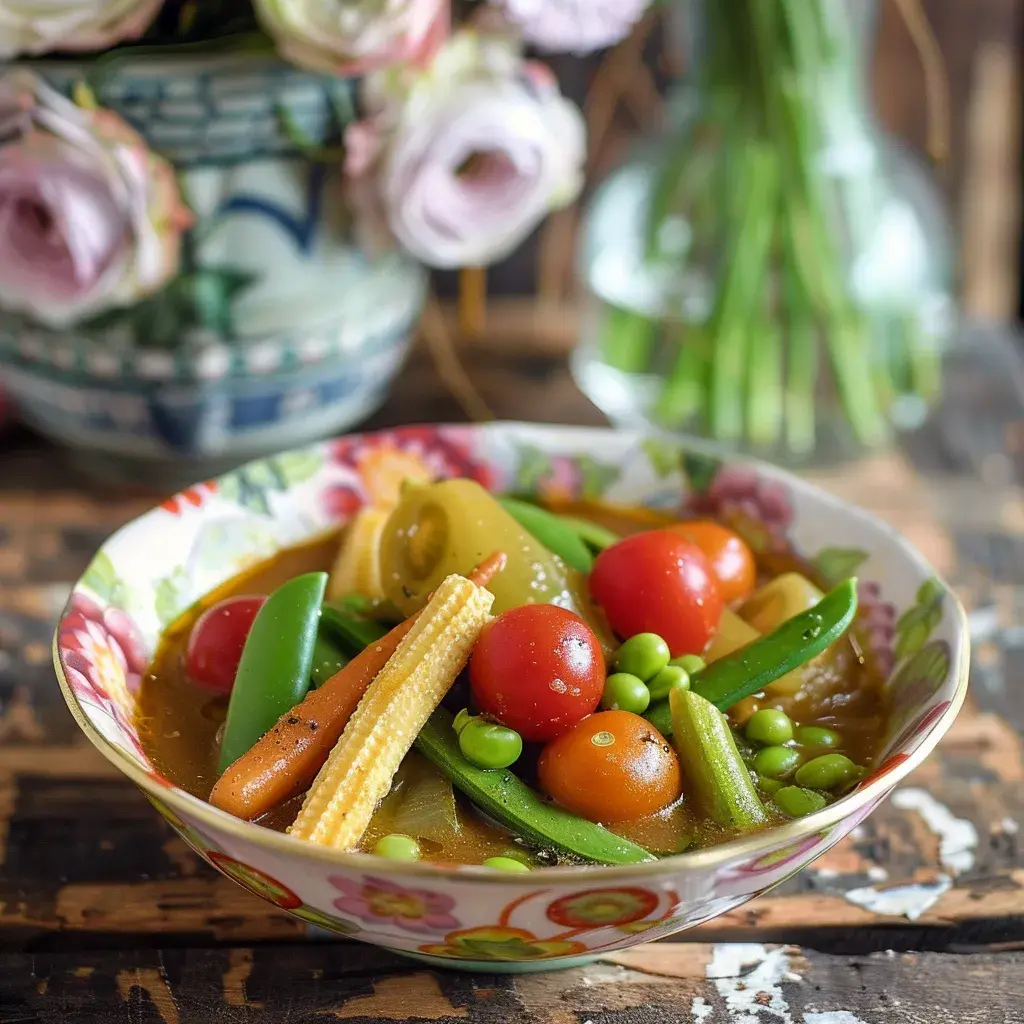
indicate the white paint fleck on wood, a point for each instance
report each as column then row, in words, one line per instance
column 749, row 978
column 958, row 838
column 700, row 1009
column 833, row 1017
column 909, row 901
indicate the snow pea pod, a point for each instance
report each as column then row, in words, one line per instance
column 328, row 660
column 751, row 668
column 552, row 531
column 274, row 671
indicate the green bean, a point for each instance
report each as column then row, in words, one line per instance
column 817, row 737
column 509, row 864
column 397, row 847
column 327, row 660
column 643, row 656
column 551, row 531
column 761, row 662
column 770, row 727
column 798, row 803
column 351, row 628
column 669, row 678
column 826, row 772
column 776, row 762
column 625, row 692
column 277, row 660
column 718, row 782
column 594, row 536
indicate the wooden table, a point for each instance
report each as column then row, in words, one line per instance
column 105, row 915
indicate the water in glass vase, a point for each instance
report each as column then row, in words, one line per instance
column 774, row 274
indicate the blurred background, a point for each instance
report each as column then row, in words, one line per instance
column 765, row 225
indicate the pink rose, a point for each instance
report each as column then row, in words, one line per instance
column 90, row 219
column 357, row 36
column 573, row 26
column 34, row 28
column 468, row 157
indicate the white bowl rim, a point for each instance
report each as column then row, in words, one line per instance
column 702, row 859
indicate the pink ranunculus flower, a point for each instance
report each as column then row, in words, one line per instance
column 357, row 36
column 34, row 28
column 90, row 219
column 573, row 26
column 467, row 157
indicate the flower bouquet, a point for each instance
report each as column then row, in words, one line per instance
column 215, row 215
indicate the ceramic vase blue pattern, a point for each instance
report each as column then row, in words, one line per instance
column 278, row 328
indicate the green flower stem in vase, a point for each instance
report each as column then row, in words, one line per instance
column 775, row 266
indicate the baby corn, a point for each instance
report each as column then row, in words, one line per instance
column 359, row 771
column 357, row 568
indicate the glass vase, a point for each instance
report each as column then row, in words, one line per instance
column 772, row 272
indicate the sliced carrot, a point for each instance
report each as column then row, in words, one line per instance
column 285, row 761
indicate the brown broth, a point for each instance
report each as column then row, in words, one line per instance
column 179, row 722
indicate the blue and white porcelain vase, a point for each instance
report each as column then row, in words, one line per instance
column 276, row 329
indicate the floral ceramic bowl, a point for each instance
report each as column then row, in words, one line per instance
column 469, row 917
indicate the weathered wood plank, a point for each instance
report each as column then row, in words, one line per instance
column 681, row 982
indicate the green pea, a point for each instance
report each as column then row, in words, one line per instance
column 671, row 677
column 624, row 692
column 826, row 772
column 768, row 786
column 772, row 728
column 397, row 847
column 798, row 803
column 689, row 663
column 817, row 737
column 776, row 762
column 489, row 745
column 462, row 719
column 514, row 867
column 643, row 656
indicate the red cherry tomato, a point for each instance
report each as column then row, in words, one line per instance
column 615, row 766
column 538, row 669
column 728, row 554
column 659, row 582
column 215, row 645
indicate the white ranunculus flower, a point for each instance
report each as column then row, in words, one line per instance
column 28, row 27
column 471, row 155
column 352, row 37
column 90, row 219
column 573, row 26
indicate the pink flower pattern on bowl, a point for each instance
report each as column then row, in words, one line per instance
column 384, row 902
column 104, row 653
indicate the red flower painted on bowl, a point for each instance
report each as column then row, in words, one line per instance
column 103, row 653
column 500, row 944
column 384, row 461
column 757, row 508
column 603, row 908
column 384, row 902
column 193, row 497
column 255, row 881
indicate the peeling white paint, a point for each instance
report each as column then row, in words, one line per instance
column 700, row 1008
column 909, row 901
column 958, row 838
column 833, row 1017
column 749, row 978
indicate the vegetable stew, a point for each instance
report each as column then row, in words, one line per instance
column 468, row 679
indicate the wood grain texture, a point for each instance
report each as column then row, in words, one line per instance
column 683, row 982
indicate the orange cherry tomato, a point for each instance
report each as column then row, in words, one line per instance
column 612, row 766
column 731, row 560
